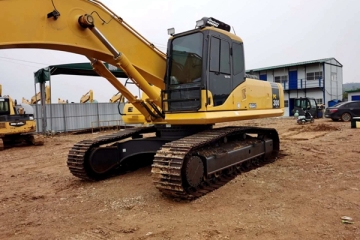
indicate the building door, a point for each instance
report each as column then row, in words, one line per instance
column 263, row 77
column 291, row 106
column 293, row 81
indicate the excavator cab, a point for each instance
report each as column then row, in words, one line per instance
column 203, row 59
column 305, row 103
column 4, row 106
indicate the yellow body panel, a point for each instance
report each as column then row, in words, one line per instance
column 7, row 129
column 133, row 115
column 235, row 108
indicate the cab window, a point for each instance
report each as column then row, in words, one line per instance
column 4, row 107
column 219, row 56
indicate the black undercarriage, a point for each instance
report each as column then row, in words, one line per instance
column 187, row 161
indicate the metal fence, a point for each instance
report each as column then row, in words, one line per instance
column 303, row 84
column 78, row 116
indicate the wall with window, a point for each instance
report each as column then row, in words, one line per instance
column 311, row 93
column 333, row 81
column 313, row 72
column 286, row 104
column 281, row 76
column 301, row 72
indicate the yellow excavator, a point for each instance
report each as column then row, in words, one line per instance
column 62, row 101
column 87, row 97
column 37, row 97
column 197, row 84
column 17, row 123
column 24, row 100
column 117, row 98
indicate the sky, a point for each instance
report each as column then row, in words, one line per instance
column 274, row 33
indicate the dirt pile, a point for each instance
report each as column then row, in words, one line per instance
column 321, row 127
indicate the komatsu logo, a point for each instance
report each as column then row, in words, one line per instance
column 17, row 123
column 211, row 22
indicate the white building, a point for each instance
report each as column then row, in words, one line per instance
column 353, row 95
column 320, row 79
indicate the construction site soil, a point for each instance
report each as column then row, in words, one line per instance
column 303, row 195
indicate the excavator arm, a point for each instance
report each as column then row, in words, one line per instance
column 24, row 100
column 87, row 97
column 37, row 97
column 103, row 36
column 117, row 97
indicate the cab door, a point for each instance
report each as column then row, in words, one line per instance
column 219, row 78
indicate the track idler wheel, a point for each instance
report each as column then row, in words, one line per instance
column 194, row 171
column 1, row 145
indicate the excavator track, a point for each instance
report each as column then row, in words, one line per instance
column 36, row 140
column 21, row 139
column 77, row 157
column 171, row 162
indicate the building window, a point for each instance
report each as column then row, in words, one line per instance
column 319, row 101
column 333, row 76
column 286, row 103
column 314, row 75
column 281, row 79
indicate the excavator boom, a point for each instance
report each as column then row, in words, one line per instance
column 64, row 33
column 55, row 25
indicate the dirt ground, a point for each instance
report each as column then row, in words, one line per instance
column 302, row 195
